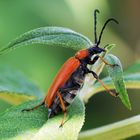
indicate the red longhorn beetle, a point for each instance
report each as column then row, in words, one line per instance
column 70, row 77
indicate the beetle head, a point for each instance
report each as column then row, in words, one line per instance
column 95, row 50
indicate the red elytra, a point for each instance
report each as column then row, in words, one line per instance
column 62, row 76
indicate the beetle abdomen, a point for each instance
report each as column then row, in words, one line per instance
column 68, row 91
column 56, row 105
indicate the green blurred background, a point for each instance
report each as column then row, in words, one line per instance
column 40, row 63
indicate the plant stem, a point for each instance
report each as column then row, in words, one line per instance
column 116, row 131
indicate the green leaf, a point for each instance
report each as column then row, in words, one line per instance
column 50, row 36
column 33, row 125
column 15, row 88
column 117, row 131
column 116, row 74
column 134, row 68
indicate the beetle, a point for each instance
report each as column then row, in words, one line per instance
column 70, row 77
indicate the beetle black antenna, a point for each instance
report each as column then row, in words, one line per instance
column 95, row 23
column 110, row 19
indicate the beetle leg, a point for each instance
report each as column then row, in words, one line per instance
column 63, row 109
column 94, row 60
column 103, row 60
column 31, row 109
column 101, row 82
column 111, row 65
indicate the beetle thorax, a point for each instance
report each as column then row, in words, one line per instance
column 82, row 54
